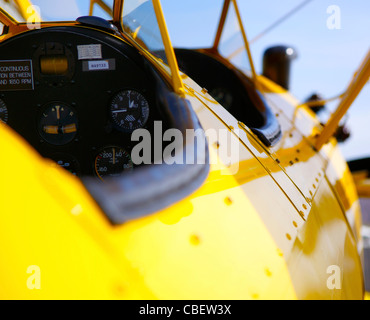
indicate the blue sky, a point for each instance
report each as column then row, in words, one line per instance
column 327, row 58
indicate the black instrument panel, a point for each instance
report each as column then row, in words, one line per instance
column 76, row 95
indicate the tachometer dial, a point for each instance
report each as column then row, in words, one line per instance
column 129, row 110
column 112, row 162
column 58, row 124
column 3, row 112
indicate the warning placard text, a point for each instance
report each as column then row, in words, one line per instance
column 16, row 75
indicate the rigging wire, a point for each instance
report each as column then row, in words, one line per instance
column 280, row 20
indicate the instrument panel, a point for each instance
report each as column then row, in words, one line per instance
column 76, row 95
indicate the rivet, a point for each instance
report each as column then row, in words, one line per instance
column 228, row 201
column 280, row 253
column 268, row 272
column 194, row 240
column 288, row 236
column 304, row 206
column 119, row 289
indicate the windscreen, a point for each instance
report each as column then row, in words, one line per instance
column 139, row 21
column 59, row 10
column 232, row 46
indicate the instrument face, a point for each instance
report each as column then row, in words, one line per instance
column 58, row 124
column 67, row 162
column 112, row 161
column 129, row 110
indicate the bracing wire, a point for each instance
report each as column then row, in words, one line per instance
column 280, row 20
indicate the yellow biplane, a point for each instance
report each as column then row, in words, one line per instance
column 133, row 170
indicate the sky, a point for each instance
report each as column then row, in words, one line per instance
column 329, row 51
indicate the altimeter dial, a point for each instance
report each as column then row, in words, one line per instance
column 129, row 110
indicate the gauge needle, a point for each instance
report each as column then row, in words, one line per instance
column 64, row 129
column 51, row 129
column 69, row 128
column 131, row 104
column 117, row 111
column 58, row 111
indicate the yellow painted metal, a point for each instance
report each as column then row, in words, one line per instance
column 11, row 24
column 326, row 231
column 363, row 188
column 250, row 245
column 102, row 5
column 117, row 12
column 245, row 234
column 354, row 88
column 317, row 208
column 170, row 54
column 27, row 10
column 321, row 102
column 80, row 255
column 221, row 24
column 244, row 34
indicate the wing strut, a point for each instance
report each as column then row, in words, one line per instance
column 358, row 82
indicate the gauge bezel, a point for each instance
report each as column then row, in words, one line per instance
column 100, row 150
column 73, row 160
column 116, row 125
column 43, row 109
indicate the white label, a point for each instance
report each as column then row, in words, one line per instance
column 89, row 51
column 99, row 65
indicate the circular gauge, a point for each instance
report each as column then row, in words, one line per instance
column 3, row 112
column 67, row 162
column 58, row 123
column 129, row 110
column 112, row 162
column 223, row 96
